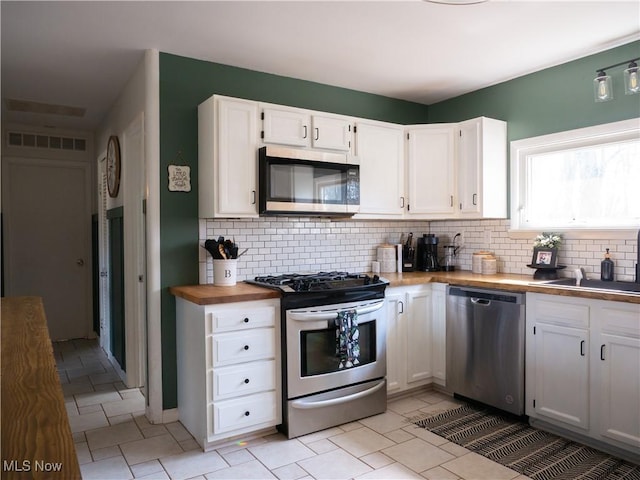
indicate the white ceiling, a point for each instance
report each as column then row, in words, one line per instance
column 81, row 54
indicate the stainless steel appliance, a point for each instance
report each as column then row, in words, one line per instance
column 485, row 346
column 308, row 182
column 317, row 392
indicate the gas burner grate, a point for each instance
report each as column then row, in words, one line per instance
column 301, row 282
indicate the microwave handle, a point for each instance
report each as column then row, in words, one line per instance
column 306, row 315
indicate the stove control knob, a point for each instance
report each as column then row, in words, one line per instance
column 246, row 347
column 246, row 414
column 246, row 320
column 246, row 380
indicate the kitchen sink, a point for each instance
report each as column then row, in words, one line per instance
column 597, row 284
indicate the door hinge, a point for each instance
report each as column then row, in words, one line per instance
column 534, row 403
column 407, row 136
column 534, row 329
column 355, row 129
column 408, row 207
column 262, row 116
column 460, row 132
column 262, row 134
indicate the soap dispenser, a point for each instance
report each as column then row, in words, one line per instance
column 606, row 268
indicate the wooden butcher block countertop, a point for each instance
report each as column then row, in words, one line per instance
column 241, row 292
column 36, row 437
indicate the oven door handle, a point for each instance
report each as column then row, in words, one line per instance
column 304, row 404
column 306, row 315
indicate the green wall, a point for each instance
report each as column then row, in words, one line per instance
column 184, row 84
column 552, row 100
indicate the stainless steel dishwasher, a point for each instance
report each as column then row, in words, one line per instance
column 485, row 346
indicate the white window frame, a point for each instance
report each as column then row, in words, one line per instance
column 520, row 149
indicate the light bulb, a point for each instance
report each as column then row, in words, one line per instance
column 602, row 87
column 631, row 80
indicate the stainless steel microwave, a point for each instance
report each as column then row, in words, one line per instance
column 312, row 182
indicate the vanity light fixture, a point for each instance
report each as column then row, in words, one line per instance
column 602, row 85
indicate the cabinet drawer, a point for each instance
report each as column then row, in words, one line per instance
column 241, row 347
column 244, row 379
column 243, row 412
column 558, row 310
column 241, row 319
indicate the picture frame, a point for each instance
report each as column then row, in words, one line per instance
column 544, row 257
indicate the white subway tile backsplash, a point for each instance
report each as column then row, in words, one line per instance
column 291, row 244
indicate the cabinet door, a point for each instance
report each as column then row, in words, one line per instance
column 236, row 160
column 469, row 158
column 562, row 374
column 418, row 326
column 381, row 152
column 439, row 332
column 431, row 161
column 395, row 341
column 286, row 127
column 331, row 133
column 618, row 365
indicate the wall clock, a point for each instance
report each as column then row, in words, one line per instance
column 113, row 166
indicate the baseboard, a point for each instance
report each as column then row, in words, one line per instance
column 170, row 415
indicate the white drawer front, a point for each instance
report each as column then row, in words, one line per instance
column 244, row 379
column 241, row 347
column 244, row 412
column 242, row 319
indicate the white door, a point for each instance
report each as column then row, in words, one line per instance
column 562, row 393
column 469, row 154
column 381, row 152
column 396, row 350
column 286, row 127
column 431, row 154
column 331, row 133
column 103, row 247
column 46, row 205
column 418, row 324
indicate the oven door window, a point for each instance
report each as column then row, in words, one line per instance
column 318, row 349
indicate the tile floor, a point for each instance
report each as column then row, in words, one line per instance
column 115, row 441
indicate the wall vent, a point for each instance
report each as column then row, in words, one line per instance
column 55, row 142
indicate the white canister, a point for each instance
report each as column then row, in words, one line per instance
column 489, row 265
column 476, row 260
column 224, row 272
column 387, row 258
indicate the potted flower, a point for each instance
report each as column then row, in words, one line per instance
column 545, row 255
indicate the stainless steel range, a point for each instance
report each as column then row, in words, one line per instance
column 333, row 348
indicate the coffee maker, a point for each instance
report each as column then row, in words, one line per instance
column 428, row 253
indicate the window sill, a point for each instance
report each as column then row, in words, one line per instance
column 579, row 234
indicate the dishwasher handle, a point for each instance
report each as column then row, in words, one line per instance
column 483, row 302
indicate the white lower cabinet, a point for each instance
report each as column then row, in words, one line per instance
column 409, row 337
column 228, row 368
column 583, row 368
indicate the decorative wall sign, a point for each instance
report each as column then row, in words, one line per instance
column 179, row 178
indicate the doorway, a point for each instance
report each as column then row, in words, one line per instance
column 47, row 239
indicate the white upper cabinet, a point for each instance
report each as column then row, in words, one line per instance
column 482, row 168
column 379, row 146
column 431, row 162
column 332, row 133
column 286, row 127
column 227, row 158
column 302, row 128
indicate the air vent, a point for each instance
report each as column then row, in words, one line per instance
column 27, row 106
column 31, row 140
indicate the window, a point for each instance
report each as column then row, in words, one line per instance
column 585, row 179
